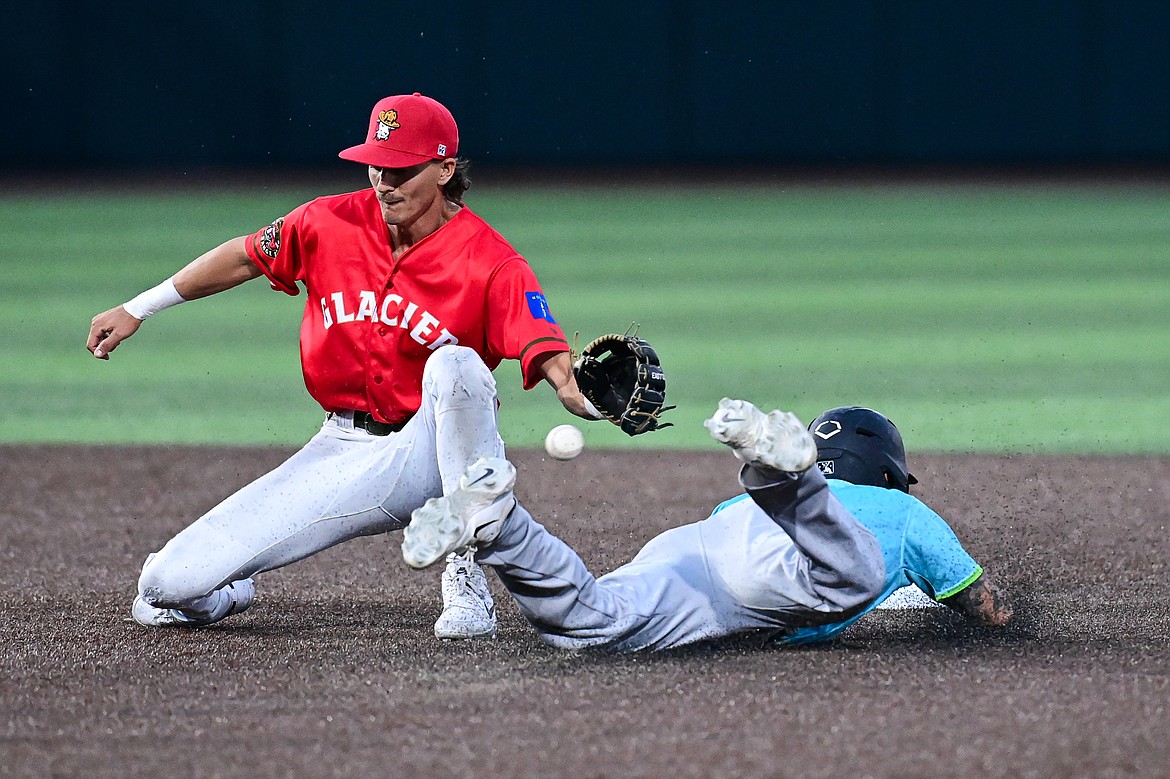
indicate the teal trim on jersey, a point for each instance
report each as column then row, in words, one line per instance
column 918, row 547
column 729, row 502
column 961, row 585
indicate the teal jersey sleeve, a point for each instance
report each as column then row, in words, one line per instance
column 918, row 545
column 932, row 556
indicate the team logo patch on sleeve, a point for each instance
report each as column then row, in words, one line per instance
column 538, row 307
column 270, row 239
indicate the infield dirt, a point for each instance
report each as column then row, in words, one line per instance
column 335, row 671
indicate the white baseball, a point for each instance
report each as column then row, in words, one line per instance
column 564, row 442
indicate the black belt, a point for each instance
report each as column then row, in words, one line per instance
column 363, row 420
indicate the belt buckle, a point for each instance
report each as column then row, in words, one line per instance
column 374, row 427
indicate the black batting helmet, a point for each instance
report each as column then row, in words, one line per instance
column 860, row 446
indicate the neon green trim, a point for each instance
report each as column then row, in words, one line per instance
column 963, row 584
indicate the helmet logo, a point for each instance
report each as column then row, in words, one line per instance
column 387, row 121
column 826, row 466
column 827, row 429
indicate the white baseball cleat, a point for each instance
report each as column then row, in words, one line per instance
column 471, row 515
column 468, row 608
column 228, row 600
column 777, row 440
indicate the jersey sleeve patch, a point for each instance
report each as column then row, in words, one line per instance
column 270, row 239
column 538, row 307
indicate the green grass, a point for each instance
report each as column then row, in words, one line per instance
column 1015, row 319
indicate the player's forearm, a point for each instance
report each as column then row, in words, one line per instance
column 558, row 372
column 557, row 369
column 222, row 268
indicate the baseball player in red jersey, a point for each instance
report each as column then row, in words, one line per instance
column 412, row 301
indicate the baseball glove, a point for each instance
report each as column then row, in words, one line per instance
column 620, row 375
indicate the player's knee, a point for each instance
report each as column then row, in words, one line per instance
column 452, row 360
column 167, row 583
column 458, row 372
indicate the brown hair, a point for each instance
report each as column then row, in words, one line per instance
column 460, row 182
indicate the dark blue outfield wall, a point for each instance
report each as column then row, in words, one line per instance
column 140, row 85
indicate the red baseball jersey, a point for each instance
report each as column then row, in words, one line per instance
column 371, row 321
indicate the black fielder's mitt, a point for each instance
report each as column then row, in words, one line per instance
column 621, row 377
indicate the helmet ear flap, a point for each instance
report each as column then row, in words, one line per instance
column 851, row 466
column 894, row 483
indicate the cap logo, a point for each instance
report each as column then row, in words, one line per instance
column 827, row 429
column 387, row 121
column 826, row 466
column 442, row 150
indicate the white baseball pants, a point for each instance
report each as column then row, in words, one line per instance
column 342, row 484
column 790, row 556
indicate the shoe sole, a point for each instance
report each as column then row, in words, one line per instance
column 434, row 530
column 440, row 526
column 463, row 636
column 149, row 616
column 734, row 422
column 793, row 447
column 777, row 440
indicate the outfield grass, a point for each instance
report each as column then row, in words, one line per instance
column 1013, row 319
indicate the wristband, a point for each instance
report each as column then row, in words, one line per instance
column 591, row 409
column 154, row 300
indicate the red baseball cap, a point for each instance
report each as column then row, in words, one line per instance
column 404, row 131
